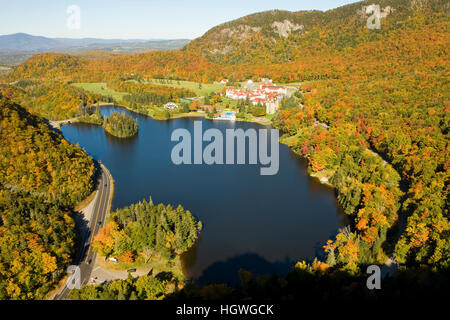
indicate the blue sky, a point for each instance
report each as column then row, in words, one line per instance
column 143, row 19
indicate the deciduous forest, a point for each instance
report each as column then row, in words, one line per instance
column 144, row 229
column 371, row 117
column 42, row 178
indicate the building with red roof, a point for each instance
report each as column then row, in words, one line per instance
column 268, row 94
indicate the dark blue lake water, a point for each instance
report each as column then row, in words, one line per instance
column 263, row 224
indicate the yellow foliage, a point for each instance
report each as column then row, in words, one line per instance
column 320, row 266
column 48, row 263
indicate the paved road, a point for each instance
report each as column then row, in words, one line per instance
column 86, row 256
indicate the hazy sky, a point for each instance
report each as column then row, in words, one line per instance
column 143, row 19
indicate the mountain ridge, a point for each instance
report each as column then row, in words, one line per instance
column 278, row 34
column 27, row 42
column 305, row 54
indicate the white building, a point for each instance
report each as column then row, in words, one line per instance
column 170, row 106
column 269, row 95
column 273, row 88
column 272, row 106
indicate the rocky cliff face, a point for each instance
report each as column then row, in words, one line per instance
column 278, row 36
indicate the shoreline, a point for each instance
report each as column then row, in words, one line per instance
column 179, row 115
column 104, row 272
column 323, row 178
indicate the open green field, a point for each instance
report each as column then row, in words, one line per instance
column 100, row 88
column 206, row 88
column 227, row 103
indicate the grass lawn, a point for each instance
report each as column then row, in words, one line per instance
column 228, row 103
column 289, row 140
column 206, row 89
column 100, row 88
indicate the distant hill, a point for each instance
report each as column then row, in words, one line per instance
column 23, row 42
column 287, row 46
column 26, row 42
column 18, row 47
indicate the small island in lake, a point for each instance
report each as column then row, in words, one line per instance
column 120, row 125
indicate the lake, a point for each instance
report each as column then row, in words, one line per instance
column 263, row 224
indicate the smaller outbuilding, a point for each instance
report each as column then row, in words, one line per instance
column 170, row 106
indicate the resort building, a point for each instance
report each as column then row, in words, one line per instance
column 274, row 89
column 170, row 106
column 267, row 94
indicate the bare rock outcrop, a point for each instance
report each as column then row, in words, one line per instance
column 285, row 28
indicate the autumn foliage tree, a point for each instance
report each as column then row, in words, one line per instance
column 42, row 177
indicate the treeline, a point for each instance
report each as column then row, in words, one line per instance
column 141, row 94
column 120, row 125
column 245, row 107
column 53, row 100
column 367, row 188
column 315, row 282
column 153, row 64
column 325, row 48
column 404, row 119
column 144, row 230
column 143, row 288
column 38, row 160
column 90, row 114
column 304, row 282
column 42, row 177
